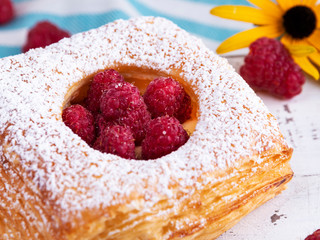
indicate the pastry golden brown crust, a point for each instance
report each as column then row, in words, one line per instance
column 54, row 186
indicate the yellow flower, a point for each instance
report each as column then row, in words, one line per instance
column 295, row 22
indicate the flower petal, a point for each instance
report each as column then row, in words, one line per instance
column 243, row 13
column 286, row 4
column 302, row 61
column 299, row 48
column 315, row 57
column 310, row 3
column 307, row 66
column 268, row 7
column 314, row 39
column 317, row 12
column 286, row 39
column 244, row 39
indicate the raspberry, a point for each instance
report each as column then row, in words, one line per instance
column 6, row 11
column 117, row 140
column 122, row 104
column 269, row 67
column 43, row 34
column 101, row 124
column 165, row 96
column 314, row 236
column 184, row 112
column 118, row 99
column 99, row 84
column 163, row 135
column 137, row 121
column 80, row 121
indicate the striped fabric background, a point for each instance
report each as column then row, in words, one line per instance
column 81, row 15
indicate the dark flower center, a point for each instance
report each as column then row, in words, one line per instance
column 299, row 22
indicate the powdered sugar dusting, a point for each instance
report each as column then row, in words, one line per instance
column 232, row 124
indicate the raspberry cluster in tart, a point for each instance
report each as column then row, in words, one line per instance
column 115, row 117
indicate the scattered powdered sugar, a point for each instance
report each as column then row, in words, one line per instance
column 232, row 124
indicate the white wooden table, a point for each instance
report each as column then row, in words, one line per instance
column 295, row 213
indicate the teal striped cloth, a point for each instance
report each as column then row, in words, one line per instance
column 81, row 15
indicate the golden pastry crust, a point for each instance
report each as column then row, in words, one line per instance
column 54, row 186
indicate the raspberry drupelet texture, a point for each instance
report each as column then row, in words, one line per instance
column 269, row 67
column 137, row 120
column 99, row 84
column 314, row 236
column 164, row 135
column 122, row 104
column 118, row 99
column 101, row 124
column 6, row 11
column 117, row 140
column 43, row 34
column 184, row 112
column 165, row 96
column 80, row 121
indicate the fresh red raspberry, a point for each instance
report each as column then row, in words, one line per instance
column 99, row 84
column 137, row 121
column 43, row 34
column 6, row 11
column 80, row 121
column 163, row 135
column 165, row 96
column 184, row 112
column 101, row 124
column 269, row 67
column 117, row 140
column 118, row 99
column 314, row 236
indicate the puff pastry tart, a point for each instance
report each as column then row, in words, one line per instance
column 54, row 186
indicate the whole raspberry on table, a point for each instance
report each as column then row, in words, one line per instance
column 163, row 135
column 117, row 140
column 43, row 34
column 6, row 11
column 99, row 84
column 314, row 236
column 165, row 96
column 80, row 121
column 118, row 99
column 269, row 67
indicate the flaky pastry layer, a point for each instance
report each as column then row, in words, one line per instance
column 54, row 186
